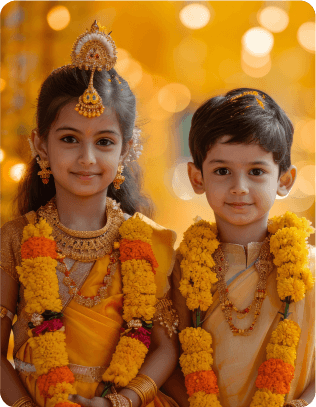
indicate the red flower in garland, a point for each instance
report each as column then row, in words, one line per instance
column 142, row 334
column 50, row 326
column 136, row 249
column 38, row 247
column 275, row 375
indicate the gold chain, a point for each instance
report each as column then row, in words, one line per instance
column 264, row 267
column 84, row 246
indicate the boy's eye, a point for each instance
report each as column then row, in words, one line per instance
column 69, row 139
column 256, row 171
column 105, row 142
column 222, row 171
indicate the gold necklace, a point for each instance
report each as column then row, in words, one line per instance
column 264, row 267
column 84, row 246
column 102, row 292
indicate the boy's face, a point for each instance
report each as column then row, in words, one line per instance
column 240, row 181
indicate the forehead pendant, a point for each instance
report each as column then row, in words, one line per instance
column 93, row 50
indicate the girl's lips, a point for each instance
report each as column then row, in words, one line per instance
column 84, row 176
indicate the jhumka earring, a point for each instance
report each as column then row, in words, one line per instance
column 44, row 173
column 119, row 178
column 93, row 50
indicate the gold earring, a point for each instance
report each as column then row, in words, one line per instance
column 119, row 178
column 44, row 173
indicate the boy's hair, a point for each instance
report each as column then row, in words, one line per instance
column 248, row 116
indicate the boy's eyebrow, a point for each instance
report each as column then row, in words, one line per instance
column 229, row 162
column 78, row 131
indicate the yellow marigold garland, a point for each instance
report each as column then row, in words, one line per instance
column 289, row 248
column 139, row 289
column 38, row 275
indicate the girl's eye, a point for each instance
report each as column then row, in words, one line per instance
column 69, row 139
column 256, row 171
column 105, row 142
column 222, row 171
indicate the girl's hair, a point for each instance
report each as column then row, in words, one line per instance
column 63, row 86
column 248, row 116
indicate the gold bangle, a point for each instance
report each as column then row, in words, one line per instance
column 149, row 379
column 296, row 403
column 137, row 391
column 24, row 401
column 144, row 387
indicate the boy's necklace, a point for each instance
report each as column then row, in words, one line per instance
column 264, row 267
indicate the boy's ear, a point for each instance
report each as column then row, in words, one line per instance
column 286, row 181
column 196, row 179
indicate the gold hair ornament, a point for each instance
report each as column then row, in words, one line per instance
column 93, row 50
column 250, row 92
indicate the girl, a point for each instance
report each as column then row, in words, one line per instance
column 80, row 246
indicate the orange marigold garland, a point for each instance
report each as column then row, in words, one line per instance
column 47, row 337
column 289, row 248
column 139, row 289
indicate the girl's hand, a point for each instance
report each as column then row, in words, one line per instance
column 94, row 402
column 99, row 390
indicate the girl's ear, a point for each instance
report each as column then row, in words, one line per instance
column 40, row 145
column 125, row 150
column 286, row 181
column 196, row 179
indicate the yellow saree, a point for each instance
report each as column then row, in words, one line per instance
column 93, row 333
column 237, row 358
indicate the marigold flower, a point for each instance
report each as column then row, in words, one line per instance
column 138, row 250
column 285, row 353
column 128, row 357
column 196, row 362
column 265, row 398
column 38, row 247
column 136, row 229
column 194, row 340
column 41, row 228
column 201, row 399
column 275, row 375
column 54, row 376
column 201, row 381
column 291, row 287
column 286, row 333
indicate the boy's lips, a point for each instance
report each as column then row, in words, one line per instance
column 238, row 203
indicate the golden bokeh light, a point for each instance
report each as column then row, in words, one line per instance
column 123, row 61
column 195, row 16
column 133, row 75
column 1, row 155
column 253, row 61
column 17, row 171
column 180, row 182
column 58, row 17
column 306, row 36
column 258, row 41
column 3, row 84
column 306, row 180
column 192, row 49
column 307, row 136
column 256, row 72
column 273, row 18
column 174, row 97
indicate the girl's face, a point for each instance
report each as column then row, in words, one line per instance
column 83, row 153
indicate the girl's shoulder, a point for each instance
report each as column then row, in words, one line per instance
column 11, row 237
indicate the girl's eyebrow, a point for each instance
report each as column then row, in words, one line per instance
column 78, row 131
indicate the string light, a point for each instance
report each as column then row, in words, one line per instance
column 17, row 171
column 273, row 18
column 258, row 41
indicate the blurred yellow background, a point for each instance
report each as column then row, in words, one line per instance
column 175, row 55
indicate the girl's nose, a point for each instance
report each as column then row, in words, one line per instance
column 87, row 156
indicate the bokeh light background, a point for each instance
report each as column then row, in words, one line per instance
column 175, row 55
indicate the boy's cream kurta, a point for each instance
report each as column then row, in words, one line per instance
column 237, row 358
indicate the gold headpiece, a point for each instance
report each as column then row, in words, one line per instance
column 251, row 92
column 93, row 50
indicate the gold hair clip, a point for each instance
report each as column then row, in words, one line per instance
column 93, row 50
column 251, row 92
